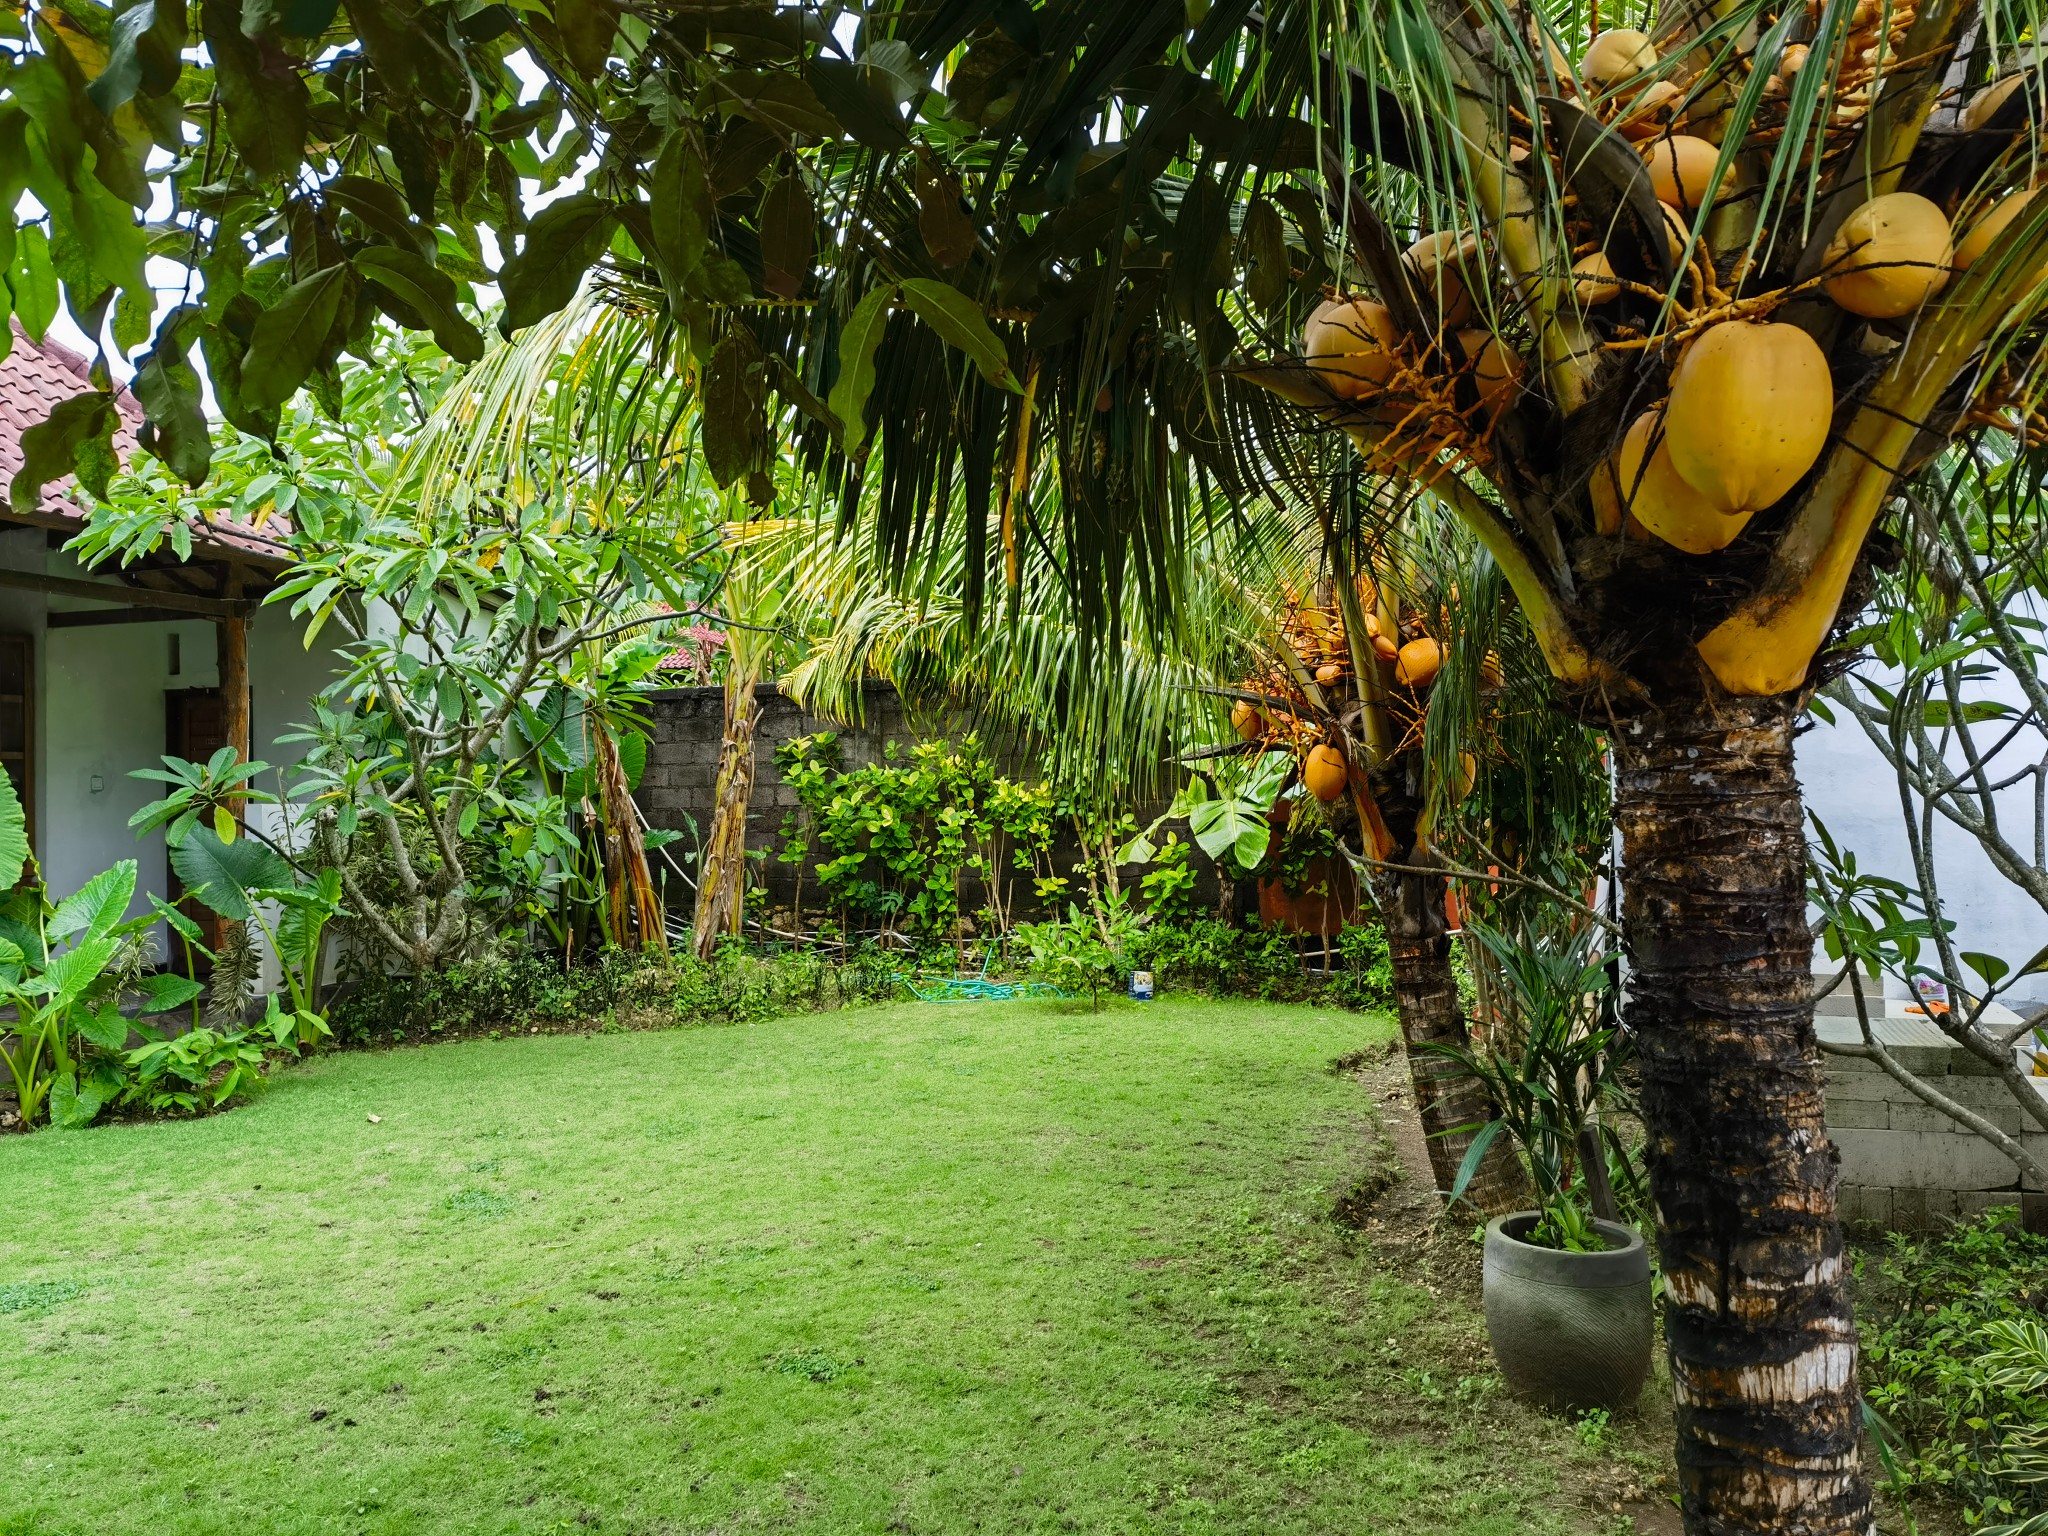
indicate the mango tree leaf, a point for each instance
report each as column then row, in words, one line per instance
column 1936, row 714
column 735, row 409
column 289, row 338
column 168, row 387
column 54, row 447
column 780, row 102
column 680, row 210
column 858, row 339
column 561, row 243
column 428, row 292
column 96, row 906
column 960, row 323
column 587, row 28
column 789, row 226
column 864, row 110
column 34, row 280
column 264, row 101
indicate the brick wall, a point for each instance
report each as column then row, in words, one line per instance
column 1907, row 1167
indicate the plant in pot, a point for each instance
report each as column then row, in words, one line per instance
column 1567, row 1285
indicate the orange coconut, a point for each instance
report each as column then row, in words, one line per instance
column 1749, row 413
column 1593, row 279
column 1496, row 368
column 1324, row 773
column 1659, row 498
column 1350, row 343
column 1617, row 55
column 1440, row 264
column 1889, row 257
column 1681, row 169
column 1985, row 104
column 1655, row 108
column 1419, row 662
column 1989, row 226
column 1246, row 721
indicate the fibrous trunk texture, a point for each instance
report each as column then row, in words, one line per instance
column 1756, row 1310
column 1450, row 1102
column 633, row 906
column 722, row 874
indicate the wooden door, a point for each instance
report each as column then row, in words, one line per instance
column 195, row 727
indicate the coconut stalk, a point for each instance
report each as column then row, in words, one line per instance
column 633, row 905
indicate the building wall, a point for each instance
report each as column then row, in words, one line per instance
column 101, row 713
column 1851, row 788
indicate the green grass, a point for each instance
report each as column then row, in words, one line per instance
column 987, row 1267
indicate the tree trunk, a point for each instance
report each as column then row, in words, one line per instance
column 1426, row 1004
column 722, row 873
column 1756, row 1312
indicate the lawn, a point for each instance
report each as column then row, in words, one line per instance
column 985, row 1267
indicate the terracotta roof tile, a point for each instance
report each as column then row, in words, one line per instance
column 34, row 379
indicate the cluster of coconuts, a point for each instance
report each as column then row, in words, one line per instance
column 1318, row 632
column 1751, row 401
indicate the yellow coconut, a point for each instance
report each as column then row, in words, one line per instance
column 1489, row 670
column 1986, row 102
column 1681, row 169
column 1989, row 226
column 1658, row 498
column 1655, row 108
column 1593, row 279
column 1496, row 368
column 1605, row 490
column 1617, row 55
column 1677, row 232
column 1889, row 257
column 1419, row 662
column 1468, row 773
column 1246, row 721
column 1749, row 412
column 1385, row 648
column 1791, row 61
column 1328, row 673
column 1350, row 343
column 1324, row 773
column 1441, row 264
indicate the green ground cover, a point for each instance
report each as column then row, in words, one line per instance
column 986, row 1267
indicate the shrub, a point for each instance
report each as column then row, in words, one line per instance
column 1955, row 1361
column 523, row 989
column 1253, row 961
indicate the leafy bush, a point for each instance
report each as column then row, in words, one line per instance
column 524, row 989
column 1955, row 1361
column 1226, row 960
column 1085, row 951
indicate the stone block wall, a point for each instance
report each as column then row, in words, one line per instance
column 680, row 782
column 1907, row 1167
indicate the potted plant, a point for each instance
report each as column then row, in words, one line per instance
column 1567, row 1285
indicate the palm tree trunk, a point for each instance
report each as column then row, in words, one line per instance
column 1447, row 1098
column 722, row 874
column 1756, row 1314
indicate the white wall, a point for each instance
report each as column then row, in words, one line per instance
column 102, row 713
column 1851, row 788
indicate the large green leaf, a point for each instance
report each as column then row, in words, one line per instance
column 428, row 292
column 959, row 320
column 71, row 973
column 289, row 338
column 561, row 243
column 168, row 387
column 858, row 339
column 96, row 906
column 13, row 835
column 266, row 108
column 735, row 410
column 222, row 874
column 60, row 444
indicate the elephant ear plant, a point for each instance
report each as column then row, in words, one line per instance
column 71, row 971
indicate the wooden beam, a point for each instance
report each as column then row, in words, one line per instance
column 233, row 633
column 90, row 618
column 134, row 597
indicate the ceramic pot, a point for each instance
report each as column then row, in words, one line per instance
column 1571, row 1330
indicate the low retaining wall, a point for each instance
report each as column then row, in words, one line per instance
column 1907, row 1167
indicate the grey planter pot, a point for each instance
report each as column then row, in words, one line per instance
column 1571, row 1330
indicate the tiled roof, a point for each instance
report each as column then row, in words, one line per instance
column 34, row 379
